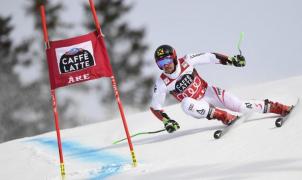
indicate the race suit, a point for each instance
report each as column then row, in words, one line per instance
column 194, row 93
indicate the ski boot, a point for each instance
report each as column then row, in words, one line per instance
column 277, row 108
column 223, row 116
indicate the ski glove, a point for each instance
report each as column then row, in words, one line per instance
column 238, row 60
column 170, row 125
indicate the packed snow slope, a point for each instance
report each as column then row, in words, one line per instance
column 255, row 149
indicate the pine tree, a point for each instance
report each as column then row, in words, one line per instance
column 6, row 67
column 54, row 25
column 126, row 50
column 25, row 109
column 16, row 116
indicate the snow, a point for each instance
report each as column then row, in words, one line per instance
column 255, row 149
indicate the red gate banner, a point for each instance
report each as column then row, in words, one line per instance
column 77, row 60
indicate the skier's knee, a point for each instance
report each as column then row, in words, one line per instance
column 198, row 109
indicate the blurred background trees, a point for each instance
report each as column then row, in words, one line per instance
column 126, row 50
column 25, row 105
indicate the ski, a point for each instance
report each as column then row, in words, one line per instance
column 221, row 132
column 281, row 120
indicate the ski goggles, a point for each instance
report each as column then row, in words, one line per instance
column 162, row 62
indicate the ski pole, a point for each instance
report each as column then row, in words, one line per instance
column 239, row 42
column 140, row 133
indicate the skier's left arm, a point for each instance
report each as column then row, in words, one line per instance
column 237, row 60
column 215, row 58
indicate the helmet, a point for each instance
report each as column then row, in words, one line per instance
column 165, row 51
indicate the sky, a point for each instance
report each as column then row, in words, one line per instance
column 271, row 45
column 189, row 153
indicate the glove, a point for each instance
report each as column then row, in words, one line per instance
column 171, row 125
column 238, row 60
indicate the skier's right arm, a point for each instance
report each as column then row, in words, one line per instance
column 158, row 99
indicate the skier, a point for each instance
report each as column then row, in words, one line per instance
column 197, row 97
